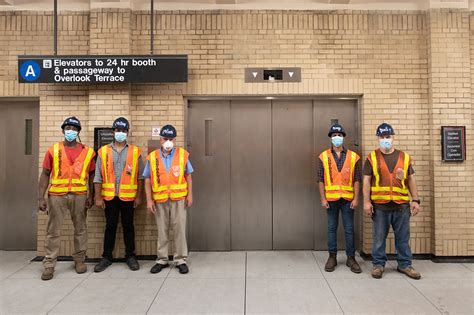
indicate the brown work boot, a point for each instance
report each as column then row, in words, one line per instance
column 80, row 266
column 48, row 273
column 352, row 263
column 411, row 272
column 331, row 263
column 377, row 272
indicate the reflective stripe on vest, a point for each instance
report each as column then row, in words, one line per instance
column 166, row 185
column 386, row 193
column 336, row 184
column 129, row 179
column 65, row 176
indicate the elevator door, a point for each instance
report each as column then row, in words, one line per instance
column 251, row 175
column 293, row 174
column 209, row 145
column 326, row 113
column 255, row 172
column 19, row 169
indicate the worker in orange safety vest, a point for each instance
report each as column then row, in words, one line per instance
column 168, row 187
column 68, row 169
column 339, row 187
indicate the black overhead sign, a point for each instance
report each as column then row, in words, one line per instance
column 453, row 142
column 103, row 69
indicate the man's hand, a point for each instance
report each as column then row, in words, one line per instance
column 354, row 203
column 99, row 203
column 324, row 203
column 368, row 208
column 137, row 202
column 42, row 204
column 189, row 201
column 415, row 208
column 150, row 206
column 89, row 202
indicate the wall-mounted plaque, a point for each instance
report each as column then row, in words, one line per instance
column 453, row 143
column 102, row 136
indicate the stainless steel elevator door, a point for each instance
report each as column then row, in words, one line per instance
column 255, row 172
column 19, row 174
column 209, row 145
column 251, row 175
column 293, row 174
column 327, row 112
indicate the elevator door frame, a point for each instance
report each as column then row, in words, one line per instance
column 357, row 98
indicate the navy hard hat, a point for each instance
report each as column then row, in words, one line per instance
column 71, row 121
column 384, row 129
column 121, row 123
column 168, row 131
column 336, row 128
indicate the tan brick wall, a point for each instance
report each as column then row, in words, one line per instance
column 451, row 104
column 393, row 59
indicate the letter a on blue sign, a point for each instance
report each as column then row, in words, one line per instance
column 30, row 70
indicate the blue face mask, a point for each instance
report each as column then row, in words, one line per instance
column 120, row 136
column 337, row 141
column 385, row 144
column 70, row 135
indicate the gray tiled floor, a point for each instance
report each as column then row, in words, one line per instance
column 256, row 282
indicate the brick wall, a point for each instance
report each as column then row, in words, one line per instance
column 412, row 68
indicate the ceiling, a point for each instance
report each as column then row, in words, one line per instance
column 237, row 4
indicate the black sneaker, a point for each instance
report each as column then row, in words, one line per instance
column 183, row 268
column 132, row 263
column 102, row 265
column 158, row 267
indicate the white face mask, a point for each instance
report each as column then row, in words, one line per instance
column 386, row 144
column 168, row 145
column 337, row 141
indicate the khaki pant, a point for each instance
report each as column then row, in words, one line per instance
column 171, row 214
column 59, row 207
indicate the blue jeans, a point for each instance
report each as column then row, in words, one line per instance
column 348, row 221
column 400, row 221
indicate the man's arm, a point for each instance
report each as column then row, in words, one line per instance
column 98, row 200
column 415, row 207
column 189, row 198
column 141, row 181
column 322, row 191
column 322, row 194
column 138, row 200
column 90, row 197
column 355, row 202
column 150, row 204
column 42, row 187
column 368, row 208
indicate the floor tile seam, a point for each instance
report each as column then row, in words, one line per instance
column 158, row 291
column 21, row 268
column 421, row 293
column 68, row 294
column 327, row 283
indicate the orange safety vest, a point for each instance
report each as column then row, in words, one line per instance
column 337, row 184
column 128, row 188
column 386, row 186
column 172, row 184
column 67, row 177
